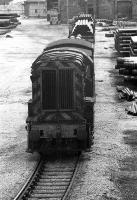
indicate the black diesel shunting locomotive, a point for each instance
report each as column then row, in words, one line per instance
column 61, row 112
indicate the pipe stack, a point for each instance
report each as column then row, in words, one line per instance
column 126, row 93
column 133, row 46
column 123, row 39
column 84, row 25
column 4, row 22
column 127, row 67
column 132, row 110
column 107, row 21
column 9, row 20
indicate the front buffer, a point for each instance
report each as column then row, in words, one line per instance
column 47, row 138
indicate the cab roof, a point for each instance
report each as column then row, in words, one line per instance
column 71, row 43
column 63, row 55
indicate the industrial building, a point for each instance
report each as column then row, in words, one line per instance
column 4, row 2
column 35, row 8
column 109, row 9
column 115, row 9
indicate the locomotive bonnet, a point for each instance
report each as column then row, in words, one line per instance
column 60, row 113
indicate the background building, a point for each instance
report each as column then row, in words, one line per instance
column 70, row 8
column 4, row 2
column 109, row 9
column 35, row 8
column 114, row 9
column 52, row 4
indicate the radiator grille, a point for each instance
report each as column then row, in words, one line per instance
column 57, row 89
column 66, row 89
column 49, row 89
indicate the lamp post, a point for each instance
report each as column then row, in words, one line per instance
column 86, row 6
column 67, row 10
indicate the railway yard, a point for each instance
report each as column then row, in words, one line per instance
column 108, row 170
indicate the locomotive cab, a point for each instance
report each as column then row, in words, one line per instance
column 61, row 112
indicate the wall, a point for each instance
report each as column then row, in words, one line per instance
column 100, row 8
column 12, row 9
column 4, row 2
column 74, row 8
column 92, row 6
column 35, row 9
column 106, row 9
column 52, row 4
column 134, row 9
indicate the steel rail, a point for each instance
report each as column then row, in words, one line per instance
column 29, row 181
column 72, row 180
column 48, row 179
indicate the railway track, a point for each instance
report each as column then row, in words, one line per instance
column 52, row 179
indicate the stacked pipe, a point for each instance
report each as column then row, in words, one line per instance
column 133, row 46
column 125, row 23
column 129, row 95
column 132, row 110
column 85, row 16
column 107, row 21
column 4, row 22
column 89, row 18
column 127, row 67
column 9, row 20
column 126, row 93
column 82, row 27
column 122, row 40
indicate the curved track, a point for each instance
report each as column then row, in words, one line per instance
column 52, row 179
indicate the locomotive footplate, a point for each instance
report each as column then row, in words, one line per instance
column 58, row 137
column 61, row 145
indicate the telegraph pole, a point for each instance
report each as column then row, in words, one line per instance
column 97, row 8
column 67, row 10
column 86, row 6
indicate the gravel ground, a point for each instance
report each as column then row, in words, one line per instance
column 109, row 170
